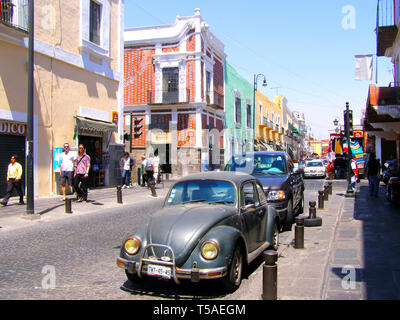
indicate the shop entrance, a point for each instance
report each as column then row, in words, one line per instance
column 94, row 148
column 164, row 153
column 10, row 145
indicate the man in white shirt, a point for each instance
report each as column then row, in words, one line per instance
column 127, row 163
column 67, row 169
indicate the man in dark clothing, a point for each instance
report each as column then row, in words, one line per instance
column 372, row 175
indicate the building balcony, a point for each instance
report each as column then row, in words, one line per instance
column 386, row 29
column 159, row 97
column 14, row 13
column 215, row 100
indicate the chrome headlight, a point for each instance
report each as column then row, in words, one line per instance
column 132, row 245
column 276, row 195
column 209, row 250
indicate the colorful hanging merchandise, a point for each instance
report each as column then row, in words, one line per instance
column 345, row 146
column 357, row 151
column 338, row 147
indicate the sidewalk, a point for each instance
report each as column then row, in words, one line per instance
column 50, row 208
column 353, row 255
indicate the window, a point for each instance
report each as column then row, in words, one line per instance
column 238, row 111
column 248, row 195
column 94, row 24
column 260, row 113
column 170, row 85
column 261, row 195
column 211, row 191
column 208, row 83
column 248, row 116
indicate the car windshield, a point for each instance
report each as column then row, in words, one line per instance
column 209, row 191
column 315, row 164
column 261, row 164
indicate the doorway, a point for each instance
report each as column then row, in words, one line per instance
column 94, row 148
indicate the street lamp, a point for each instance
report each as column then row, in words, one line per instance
column 254, row 101
column 336, row 122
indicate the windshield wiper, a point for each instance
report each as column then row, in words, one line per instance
column 198, row 200
column 220, row 201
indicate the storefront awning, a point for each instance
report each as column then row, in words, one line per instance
column 95, row 125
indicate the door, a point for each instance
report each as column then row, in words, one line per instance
column 10, row 145
column 253, row 214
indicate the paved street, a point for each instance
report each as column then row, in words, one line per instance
column 81, row 250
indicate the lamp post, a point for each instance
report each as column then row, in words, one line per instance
column 350, row 191
column 254, row 102
column 30, row 207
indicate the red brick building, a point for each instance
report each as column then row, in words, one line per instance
column 174, row 88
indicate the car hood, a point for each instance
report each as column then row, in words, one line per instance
column 182, row 226
column 314, row 168
column 272, row 182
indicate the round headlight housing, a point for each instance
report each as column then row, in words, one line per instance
column 209, row 250
column 132, row 245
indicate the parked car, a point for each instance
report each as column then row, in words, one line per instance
column 210, row 226
column 315, row 168
column 282, row 184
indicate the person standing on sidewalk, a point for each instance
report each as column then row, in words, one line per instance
column 372, row 175
column 67, row 169
column 127, row 163
column 81, row 174
column 14, row 175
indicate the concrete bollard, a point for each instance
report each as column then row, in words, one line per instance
column 270, row 275
column 68, row 205
column 312, row 211
column 320, row 199
column 312, row 220
column 326, row 193
column 299, row 233
column 119, row 194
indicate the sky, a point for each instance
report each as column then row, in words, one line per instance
column 305, row 48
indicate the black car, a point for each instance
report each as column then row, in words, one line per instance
column 282, row 184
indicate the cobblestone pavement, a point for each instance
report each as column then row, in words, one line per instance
column 52, row 208
column 353, row 255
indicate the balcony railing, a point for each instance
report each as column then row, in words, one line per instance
column 14, row 13
column 386, row 25
column 168, row 97
column 215, row 99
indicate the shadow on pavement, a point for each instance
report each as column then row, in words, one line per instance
column 380, row 245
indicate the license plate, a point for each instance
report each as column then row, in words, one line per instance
column 161, row 271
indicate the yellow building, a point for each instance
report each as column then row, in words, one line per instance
column 269, row 123
column 78, row 85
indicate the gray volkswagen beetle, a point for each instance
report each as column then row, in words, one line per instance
column 211, row 226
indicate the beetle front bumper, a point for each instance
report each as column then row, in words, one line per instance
column 193, row 274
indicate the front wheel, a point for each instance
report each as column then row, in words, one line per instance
column 233, row 279
column 275, row 238
column 133, row 277
column 287, row 224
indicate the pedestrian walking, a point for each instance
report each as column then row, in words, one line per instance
column 81, row 174
column 149, row 172
column 14, row 176
column 127, row 163
column 371, row 174
column 143, row 172
column 66, row 169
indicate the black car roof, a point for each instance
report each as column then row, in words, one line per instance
column 235, row 177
